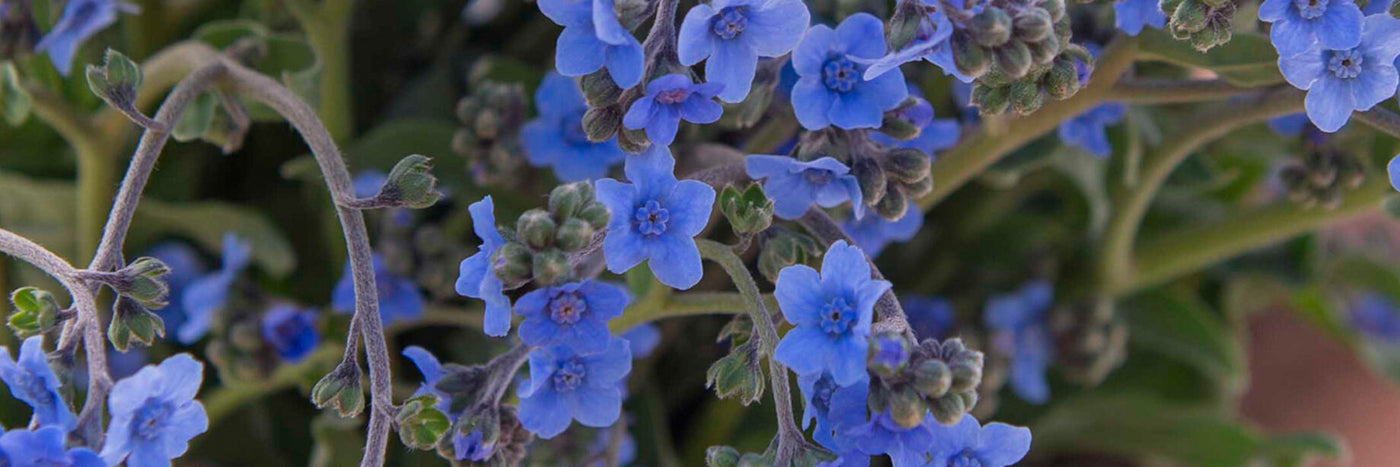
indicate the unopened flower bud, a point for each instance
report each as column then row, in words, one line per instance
column 478, row 432
column 144, row 281
column 919, row 188
column 907, row 407
column 573, row 235
column 887, row 353
column 1189, row 17
column 340, row 389
column 933, row 378
column 991, row 100
column 599, row 89
column 737, row 375
column 117, row 82
column 721, row 456
column 1033, row 25
column 871, row 179
column 991, row 27
column 907, row 164
column 1026, row 96
column 948, row 409
column 420, row 425
column 536, row 228
column 601, row 123
column 512, row 263
column 971, row 58
column 1056, row 8
column 898, row 128
column 783, row 250
column 1062, row 81
column 904, row 23
column 1044, row 51
column 36, row 312
column 633, row 141
column 411, row 183
column 965, row 377
column 550, row 266
column 749, row 211
column 1013, row 58
column 893, row 204
column 596, row 214
column 132, row 322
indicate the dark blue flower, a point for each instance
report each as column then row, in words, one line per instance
column 643, row 338
column 669, row 99
column 968, row 443
column 1289, row 125
column 1375, row 317
column 833, row 407
column 44, row 447
column 655, row 218
column 81, row 20
column 733, row 34
column 208, row 294
column 1018, row 324
column 1089, row 130
column 907, row 447
column 573, row 315
column 556, row 139
column 593, row 38
column 476, row 278
column 1298, row 24
column 1131, row 16
column 831, row 63
column 831, row 314
column 930, row 317
column 32, row 381
column 186, row 265
column 399, row 297
column 291, row 331
column 873, row 233
column 154, row 414
column 1339, row 82
column 794, row 185
column 565, row 386
column 930, row 42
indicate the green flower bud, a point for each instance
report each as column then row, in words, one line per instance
column 753, row 459
column 933, row 378
column 948, row 409
column 970, row 57
column 512, row 263
column 420, row 425
column 991, row 27
column 991, row 100
column 871, row 179
column 482, row 418
column 907, row 164
column 550, row 266
column 340, row 389
column 1033, row 25
column 1026, row 97
column 536, row 228
column 907, row 408
column 919, row 188
column 596, row 214
column 133, row 322
column 143, row 280
column 633, row 141
column 904, row 23
column 1013, row 58
column 1044, row 52
column 782, row 250
column 737, row 331
column 567, row 200
column 721, row 456
column 749, row 211
column 1056, row 8
column 898, row 128
column 573, row 235
column 411, row 183
column 965, row 377
column 117, row 82
column 36, row 312
column 1206, row 38
column 601, row 123
column 893, row 204
column 1189, row 17
column 737, row 375
column 599, row 89
column 1062, row 81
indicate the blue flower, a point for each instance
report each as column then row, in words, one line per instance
column 794, row 185
column 655, row 218
column 1375, row 317
column 573, row 315
column 1341, row 81
column 733, row 34
column 44, row 447
column 32, row 381
column 833, row 407
column 1089, row 130
column 930, row 317
column 1298, row 24
column 830, row 64
column 1289, row 125
column 465, row 446
column 399, row 297
column 1131, row 16
column 907, row 447
column 476, row 278
column 1377, row 6
column 644, row 339
column 154, row 414
column 970, row 443
column 930, row 42
column 185, row 266
column 208, row 294
column 1393, row 170
column 934, row 134
column 81, row 20
column 556, row 138
column 669, row 99
column 593, row 38
column 429, row 367
column 873, row 233
column 1018, row 324
column 291, row 331
column 831, row 314
column 566, row 386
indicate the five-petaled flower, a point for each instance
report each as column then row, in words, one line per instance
column 476, row 276
column 669, row 99
column 44, row 447
column 290, row 331
column 1298, row 24
column 81, row 20
column 1018, row 324
column 465, row 446
column 32, row 381
column 970, row 443
column 593, row 37
column 565, row 386
column 399, row 297
column 733, row 34
column 207, row 295
column 574, row 315
column 154, row 414
column 794, row 185
column 1131, row 16
column 655, row 218
column 1340, row 81
column 556, row 138
column 831, row 314
column 830, row 63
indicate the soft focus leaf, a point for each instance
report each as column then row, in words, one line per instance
column 1300, row 449
column 1142, row 426
column 14, row 100
column 1184, row 328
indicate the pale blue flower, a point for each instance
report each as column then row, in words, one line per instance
column 593, row 37
column 668, row 100
column 154, row 414
column 565, row 386
column 1340, row 82
column 33, row 382
column 794, row 185
column 556, row 138
column 476, row 276
column 733, row 34
column 655, row 219
column 831, row 89
column 831, row 314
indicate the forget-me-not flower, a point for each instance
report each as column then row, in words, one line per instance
column 399, row 297
column 1130, row 16
column 592, row 39
column 831, row 63
column 907, row 447
column 970, row 443
column 1298, row 24
column 655, row 218
column 33, row 382
column 44, row 447
column 1089, row 130
column 154, row 414
column 81, row 20
column 208, row 294
column 831, row 314
column 185, row 266
column 873, row 233
column 1019, row 329
column 290, row 331
column 565, row 386
column 1339, row 82
column 556, row 138
column 669, row 99
column 476, row 277
column 833, row 407
column 935, row 134
column 574, row 315
column 733, row 34
column 794, row 185
column 465, row 446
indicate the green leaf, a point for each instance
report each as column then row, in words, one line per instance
column 14, row 100
column 1248, row 60
column 1185, row 329
column 1142, row 426
column 1299, row 449
column 196, row 118
column 1089, row 175
column 283, row 55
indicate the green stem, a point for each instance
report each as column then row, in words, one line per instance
column 1156, row 91
column 686, row 304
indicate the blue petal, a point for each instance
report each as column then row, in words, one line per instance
column 596, row 407
column 426, row 363
column 803, row 349
column 1271, row 10
column 698, row 109
column 775, row 29
column 578, row 52
column 623, row 249
column 690, row 205
column 675, row 261
column 812, row 52
column 844, row 268
column 1374, row 85
column 558, row 95
column 1293, row 37
column 568, row 12
column 696, row 41
column 800, row 295
column 952, row 441
column 544, row 413
column 1003, row 444
column 862, row 35
column 1329, row 103
column 610, row 366
column 1393, row 170
column 625, row 64
column 1380, row 38
column 1304, row 69
column 847, row 360
column 732, row 65
column 812, row 102
column 1340, row 26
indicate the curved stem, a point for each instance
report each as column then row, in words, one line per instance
column 1168, row 91
column 327, row 30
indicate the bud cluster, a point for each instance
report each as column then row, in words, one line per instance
column 1322, row 178
column 1009, row 39
column 781, row 248
column 748, row 211
column 1205, row 23
column 36, row 312
column 931, row 377
column 738, row 374
column 539, row 246
column 888, row 177
column 1091, row 340
column 1049, row 72
column 491, row 117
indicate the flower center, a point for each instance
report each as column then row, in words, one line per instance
column 567, row 308
column 817, row 176
column 672, row 96
column 651, row 218
column 840, row 74
column 1345, row 64
column 837, row 316
column 569, row 375
column 966, row 458
column 1310, row 9
column 730, row 22
column 573, row 129
column 150, row 419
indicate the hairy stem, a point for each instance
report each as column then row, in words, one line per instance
column 1168, row 91
column 327, row 29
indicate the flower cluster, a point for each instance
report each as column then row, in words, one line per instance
column 1345, row 62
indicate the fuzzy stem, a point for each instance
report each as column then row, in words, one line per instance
column 1164, row 91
